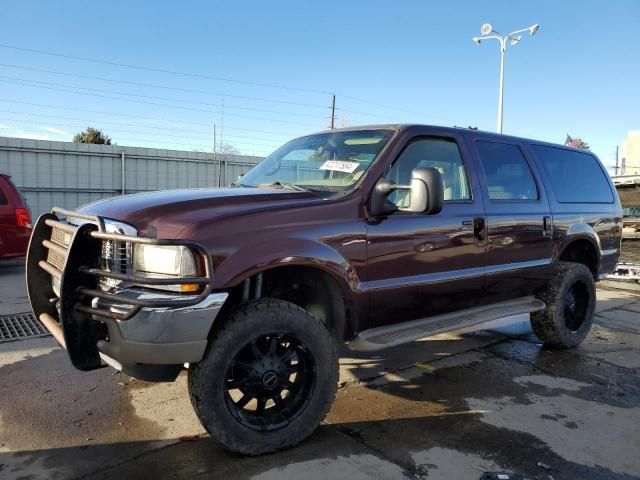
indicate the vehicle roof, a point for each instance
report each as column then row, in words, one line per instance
column 483, row 133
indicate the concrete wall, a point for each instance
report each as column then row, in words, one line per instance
column 68, row 175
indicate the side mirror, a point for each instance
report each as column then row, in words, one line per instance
column 426, row 193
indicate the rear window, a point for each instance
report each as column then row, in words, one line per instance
column 575, row 177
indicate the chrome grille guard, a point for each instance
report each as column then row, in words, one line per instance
column 71, row 316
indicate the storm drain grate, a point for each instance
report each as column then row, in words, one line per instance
column 19, row 326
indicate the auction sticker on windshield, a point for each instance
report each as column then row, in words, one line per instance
column 339, row 166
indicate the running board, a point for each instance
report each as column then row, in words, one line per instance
column 397, row 334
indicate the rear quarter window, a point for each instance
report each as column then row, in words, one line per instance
column 574, row 177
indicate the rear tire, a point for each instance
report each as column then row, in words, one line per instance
column 571, row 298
column 267, row 379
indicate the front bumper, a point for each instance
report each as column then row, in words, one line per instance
column 146, row 333
column 159, row 336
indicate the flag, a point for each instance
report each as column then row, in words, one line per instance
column 569, row 141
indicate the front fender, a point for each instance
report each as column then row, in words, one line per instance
column 257, row 257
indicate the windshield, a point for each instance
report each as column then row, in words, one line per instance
column 332, row 161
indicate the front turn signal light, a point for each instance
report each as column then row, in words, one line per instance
column 189, row 287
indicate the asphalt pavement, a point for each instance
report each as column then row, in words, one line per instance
column 456, row 406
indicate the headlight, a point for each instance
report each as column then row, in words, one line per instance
column 165, row 261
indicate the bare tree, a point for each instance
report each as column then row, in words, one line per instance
column 228, row 150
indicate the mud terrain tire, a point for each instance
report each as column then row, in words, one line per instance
column 246, row 357
column 571, row 299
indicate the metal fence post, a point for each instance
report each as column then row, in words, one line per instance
column 123, row 175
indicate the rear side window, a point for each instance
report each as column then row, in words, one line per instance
column 575, row 177
column 508, row 174
column 3, row 197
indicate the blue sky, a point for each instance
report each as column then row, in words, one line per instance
column 386, row 62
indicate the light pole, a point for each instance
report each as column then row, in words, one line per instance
column 487, row 32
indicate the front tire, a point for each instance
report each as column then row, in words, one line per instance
column 267, row 379
column 571, row 298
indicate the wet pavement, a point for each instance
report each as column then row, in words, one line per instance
column 452, row 407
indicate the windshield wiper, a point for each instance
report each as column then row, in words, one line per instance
column 288, row 186
column 241, row 185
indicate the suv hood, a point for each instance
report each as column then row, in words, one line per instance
column 166, row 213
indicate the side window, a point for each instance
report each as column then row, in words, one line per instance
column 440, row 154
column 574, row 176
column 3, row 198
column 507, row 172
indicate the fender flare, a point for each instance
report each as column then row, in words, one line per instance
column 258, row 257
column 579, row 231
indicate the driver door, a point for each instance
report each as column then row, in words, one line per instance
column 423, row 265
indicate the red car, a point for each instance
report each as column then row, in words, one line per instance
column 15, row 220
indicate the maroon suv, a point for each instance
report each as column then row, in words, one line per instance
column 372, row 236
column 15, row 220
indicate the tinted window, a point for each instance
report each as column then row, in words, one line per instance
column 574, row 176
column 507, row 172
column 3, row 198
column 444, row 156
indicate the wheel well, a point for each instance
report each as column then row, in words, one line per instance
column 581, row 251
column 310, row 288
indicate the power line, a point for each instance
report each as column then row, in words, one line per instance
column 68, row 126
column 158, row 104
column 162, row 70
column 197, row 75
column 31, row 122
column 166, row 87
column 102, row 122
column 122, row 115
column 392, row 107
column 179, row 100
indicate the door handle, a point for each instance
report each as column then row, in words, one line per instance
column 547, row 226
column 479, row 231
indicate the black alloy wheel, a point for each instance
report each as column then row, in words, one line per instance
column 269, row 382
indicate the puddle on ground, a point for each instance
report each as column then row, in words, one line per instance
column 447, row 464
column 502, row 409
column 580, row 431
column 46, row 402
column 353, row 467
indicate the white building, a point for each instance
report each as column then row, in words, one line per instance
column 630, row 154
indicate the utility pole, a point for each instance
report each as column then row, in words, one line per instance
column 215, row 154
column 220, row 183
column 332, row 125
column 214, row 142
column 616, row 168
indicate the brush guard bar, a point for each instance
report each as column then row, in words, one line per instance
column 70, row 254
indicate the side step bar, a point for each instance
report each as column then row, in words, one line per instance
column 397, row 334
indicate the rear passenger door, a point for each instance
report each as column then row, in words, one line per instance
column 519, row 222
